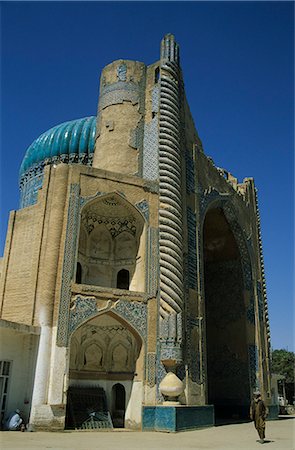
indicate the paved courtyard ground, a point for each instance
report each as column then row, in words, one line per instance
column 280, row 435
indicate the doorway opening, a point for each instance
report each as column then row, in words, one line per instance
column 118, row 405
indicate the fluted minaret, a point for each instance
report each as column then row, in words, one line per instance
column 170, row 211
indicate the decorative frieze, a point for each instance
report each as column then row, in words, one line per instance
column 116, row 93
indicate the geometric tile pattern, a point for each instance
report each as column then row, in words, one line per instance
column 152, row 268
column 150, row 150
column 190, row 173
column 29, row 190
column 68, row 266
column 83, row 308
column 192, row 249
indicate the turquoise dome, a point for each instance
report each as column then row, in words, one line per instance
column 68, row 142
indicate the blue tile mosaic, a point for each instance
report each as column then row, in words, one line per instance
column 176, row 418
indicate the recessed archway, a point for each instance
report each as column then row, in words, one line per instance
column 112, row 240
column 226, row 327
column 104, row 352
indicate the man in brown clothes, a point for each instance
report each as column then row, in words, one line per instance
column 258, row 413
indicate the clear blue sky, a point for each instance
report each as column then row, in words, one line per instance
column 237, row 60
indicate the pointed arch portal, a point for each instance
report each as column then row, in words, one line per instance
column 105, row 357
column 226, row 324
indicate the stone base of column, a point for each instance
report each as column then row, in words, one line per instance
column 177, row 418
column 47, row 417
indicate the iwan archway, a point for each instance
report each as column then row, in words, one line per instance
column 228, row 379
column 112, row 242
column 106, row 361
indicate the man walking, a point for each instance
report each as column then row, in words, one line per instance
column 258, row 413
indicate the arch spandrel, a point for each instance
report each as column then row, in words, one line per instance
column 134, row 314
column 105, row 343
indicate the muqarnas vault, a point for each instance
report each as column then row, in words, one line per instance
column 133, row 291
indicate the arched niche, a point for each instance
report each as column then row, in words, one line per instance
column 227, row 334
column 103, row 346
column 106, row 351
column 112, row 239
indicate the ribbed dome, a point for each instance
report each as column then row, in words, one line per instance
column 68, row 142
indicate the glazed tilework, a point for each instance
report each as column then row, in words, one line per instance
column 150, row 150
column 122, row 72
column 192, row 249
column 156, row 98
column 143, row 207
column 134, row 313
column 253, row 365
column 177, row 418
column 84, row 308
column 151, row 369
column 251, row 311
column 115, row 93
column 152, row 269
column 29, row 191
column 68, row 266
column 190, row 173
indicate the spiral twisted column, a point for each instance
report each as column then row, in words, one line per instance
column 170, row 212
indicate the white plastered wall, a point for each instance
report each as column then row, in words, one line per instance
column 19, row 344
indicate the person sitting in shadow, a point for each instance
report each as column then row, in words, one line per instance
column 14, row 421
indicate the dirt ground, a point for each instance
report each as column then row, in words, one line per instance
column 280, row 434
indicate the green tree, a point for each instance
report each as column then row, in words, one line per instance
column 283, row 363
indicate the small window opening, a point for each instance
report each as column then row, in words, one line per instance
column 123, row 279
column 157, row 74
column 79, row 273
